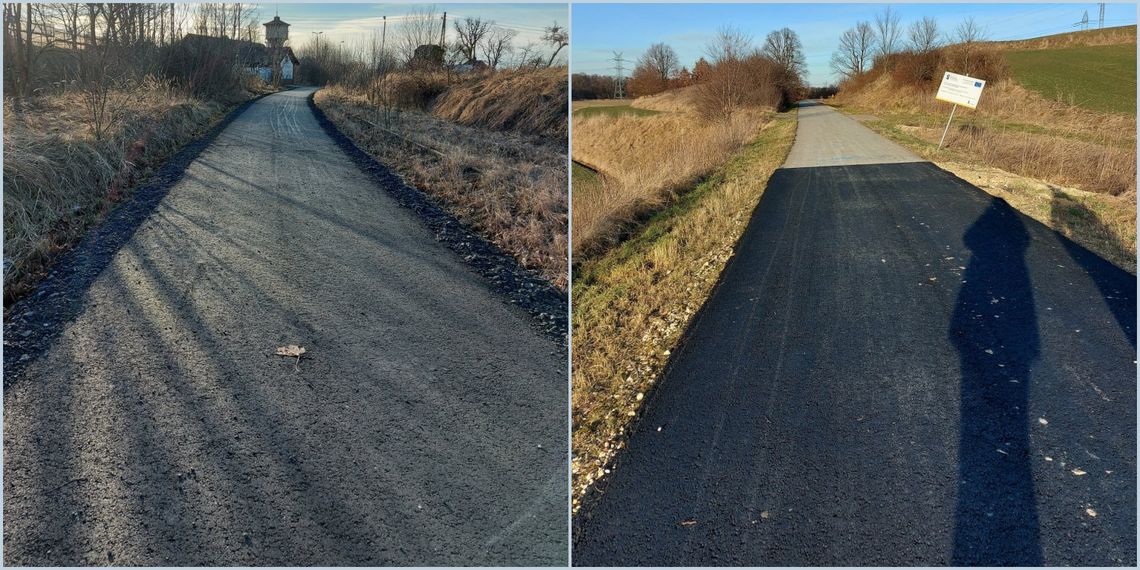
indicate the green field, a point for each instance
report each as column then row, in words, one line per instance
column 1100, row 78
column 612, row 111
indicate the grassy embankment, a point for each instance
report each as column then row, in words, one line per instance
column 490, row 148
column 60, row 179
column 660, row 219
column 1056, row 139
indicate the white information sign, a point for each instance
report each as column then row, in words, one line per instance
column 960, row 90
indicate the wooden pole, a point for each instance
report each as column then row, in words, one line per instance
column 947, row 129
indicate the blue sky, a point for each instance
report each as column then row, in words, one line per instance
column 600, row 29
column 355, row 22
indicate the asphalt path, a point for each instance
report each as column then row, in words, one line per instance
column 424, row 425
column 894, row 369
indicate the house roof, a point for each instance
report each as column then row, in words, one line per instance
column 285, row 52
column 249, row 54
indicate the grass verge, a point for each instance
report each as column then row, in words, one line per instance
column 60, row 181
column 508, row 187
column 632, row 304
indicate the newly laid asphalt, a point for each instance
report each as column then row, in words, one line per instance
column 424, row 425
column 895, row 369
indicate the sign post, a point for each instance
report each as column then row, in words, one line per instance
column 959, row 90
column 947, row 129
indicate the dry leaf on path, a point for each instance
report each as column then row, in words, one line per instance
column 291, row 350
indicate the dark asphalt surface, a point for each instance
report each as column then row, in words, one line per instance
column 895, row 369
column 425, row 425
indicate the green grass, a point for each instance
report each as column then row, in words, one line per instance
column 582, row 175
column 613, row 111
column 1100, row 78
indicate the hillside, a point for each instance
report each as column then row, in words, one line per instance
column 1106, row 36
column 530, row 102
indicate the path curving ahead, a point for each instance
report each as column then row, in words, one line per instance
column 425, row 424
column 894, row 369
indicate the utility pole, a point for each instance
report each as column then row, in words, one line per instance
column 1101, row 23
column 619, row 84
column 443, row 31
column 383, row 34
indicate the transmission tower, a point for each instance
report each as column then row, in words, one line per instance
column 619, row 83
column 1100, row 24
column 1084, row 23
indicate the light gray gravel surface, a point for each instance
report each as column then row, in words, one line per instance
column 826, row 137
column 425, row 424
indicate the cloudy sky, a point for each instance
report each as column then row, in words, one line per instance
column 355, row 22
column 599, row 30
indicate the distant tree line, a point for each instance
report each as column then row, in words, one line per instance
column 46, row 45
column 473, row 44
column 914, row 54
column 732, row 73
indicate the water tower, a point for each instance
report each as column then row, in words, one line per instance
column 276, row 33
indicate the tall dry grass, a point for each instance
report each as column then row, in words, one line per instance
column 59, row 180
column 645, row 162
column 526, row 101
column 509, row 187
column 1017, row 130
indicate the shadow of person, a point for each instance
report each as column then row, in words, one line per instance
column 1115, row 285
column 994, row 329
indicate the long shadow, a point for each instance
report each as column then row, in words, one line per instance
column 1112, row 282
column 994, row 329
column 58, row 300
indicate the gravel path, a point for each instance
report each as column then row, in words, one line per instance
column 425, row 424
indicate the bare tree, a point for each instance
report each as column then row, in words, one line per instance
column 730, row 43
column 558, row 37
column 661, row 60
column 496, row 45
column 923, row 35
column 888, row 31
column 969, row 31
column 856, row 47
column 783, row 47
column 417, row 28
column 469, row 34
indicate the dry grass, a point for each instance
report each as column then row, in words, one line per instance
column 632, row 304
column 59, row 181
column 508, row 187
column 527, row 101
column 1053, row 155
column 1107, row 36
column 683, row 100
column 645, row 163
